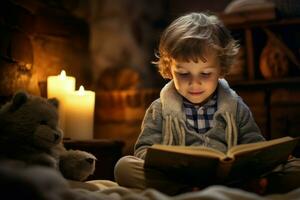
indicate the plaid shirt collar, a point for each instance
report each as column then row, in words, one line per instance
column 200, row 118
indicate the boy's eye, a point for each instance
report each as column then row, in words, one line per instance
column 205, row 74
column 182, row 73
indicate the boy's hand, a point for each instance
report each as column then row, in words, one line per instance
column 257, row 186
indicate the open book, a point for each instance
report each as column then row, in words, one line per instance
column 203, row 165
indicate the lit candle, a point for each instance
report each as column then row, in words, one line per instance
column 80, row 114
column 59, row 86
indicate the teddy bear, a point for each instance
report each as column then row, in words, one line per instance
column 29, row 132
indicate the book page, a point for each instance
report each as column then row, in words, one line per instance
column 191, row 150
column 242, row 148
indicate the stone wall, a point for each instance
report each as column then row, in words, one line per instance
column 38, row 39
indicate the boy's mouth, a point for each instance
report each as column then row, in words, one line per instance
column 196, row 92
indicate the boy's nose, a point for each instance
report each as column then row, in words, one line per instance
column 195, row 81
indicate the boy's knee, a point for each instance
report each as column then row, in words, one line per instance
column 125, row 168
column 121, row 166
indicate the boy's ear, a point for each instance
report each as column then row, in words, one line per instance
column 168, row 74
column 223, row 74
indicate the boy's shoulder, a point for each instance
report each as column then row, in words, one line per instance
column 156, row 104
column 224, row 89
column 154, row 112
column 229, row 100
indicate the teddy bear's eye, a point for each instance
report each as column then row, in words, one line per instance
column 43, row 122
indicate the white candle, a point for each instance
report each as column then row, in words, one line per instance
column 59, row 86
column 80, row 114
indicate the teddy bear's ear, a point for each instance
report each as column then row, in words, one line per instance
column 19, row 99
column 54, row 102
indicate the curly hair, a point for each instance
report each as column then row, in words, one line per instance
column 188, row 37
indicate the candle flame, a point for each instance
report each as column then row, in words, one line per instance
column 62, row 75
column 81, row 90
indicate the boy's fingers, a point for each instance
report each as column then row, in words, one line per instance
column 263, row 182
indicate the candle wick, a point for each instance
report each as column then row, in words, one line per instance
column 81, row 90
column 63, row 75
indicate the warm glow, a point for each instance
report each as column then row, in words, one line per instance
column 63, row 75
column 58, row 87
column 80, row 107
column 81, row 90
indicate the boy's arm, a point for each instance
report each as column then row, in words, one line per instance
column 151, row 130
column 249, row 132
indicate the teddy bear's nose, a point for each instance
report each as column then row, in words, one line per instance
column 90, row 160
column 56, row 137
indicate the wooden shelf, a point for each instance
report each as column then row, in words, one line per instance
column 275, row 103
column 268, row 23
column 284, row 82
column 255, row 36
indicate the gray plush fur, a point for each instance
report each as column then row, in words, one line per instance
column 29, row 132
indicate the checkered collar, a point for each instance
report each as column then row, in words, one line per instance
column 171, row 100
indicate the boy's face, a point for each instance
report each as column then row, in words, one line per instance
column 197, row 81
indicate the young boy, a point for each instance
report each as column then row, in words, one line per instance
column 197, row 107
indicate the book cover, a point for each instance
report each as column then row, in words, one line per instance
column 196, row 164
